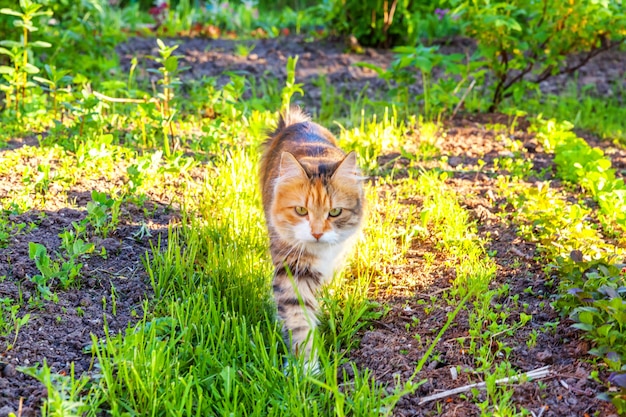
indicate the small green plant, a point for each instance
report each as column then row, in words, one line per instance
column 169, row 72
column 40, row 181
column 113, row 300
column 532, row 339
column 48, row 270
column 74, row 246
column 64, row 391
column 9, row 319
column 244, row 50
column 594, row 295
column 62, row 272
column 56, row 82
column 290, row 87
column 103, row 213
column 21, row 52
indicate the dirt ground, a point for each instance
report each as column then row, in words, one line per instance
column 331, row 61
column 59, row 335
column 389, row 348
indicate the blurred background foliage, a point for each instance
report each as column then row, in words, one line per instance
column 515, row 45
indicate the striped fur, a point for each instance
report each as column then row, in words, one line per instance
column 302, row 166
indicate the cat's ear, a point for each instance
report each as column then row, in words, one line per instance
column 348, row 169
column 290, row 167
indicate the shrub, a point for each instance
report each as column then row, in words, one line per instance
column 526, row 41
column 389, row 22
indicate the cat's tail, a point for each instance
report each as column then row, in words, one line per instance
column 270, row 160
column 290, row 117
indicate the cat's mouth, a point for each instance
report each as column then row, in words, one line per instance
column 324, row 240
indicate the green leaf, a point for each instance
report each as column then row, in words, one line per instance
column 36, row 250
column 228, row 375
column 604, row 330
column 171, row 64
column 5, row 51
column 583, row 326
column 11, row 44
column 423, row 64
column 6, row 70
column 31, row 69
column 40, row 44
column 585, row 317
column 10, row 12
column 43, row 80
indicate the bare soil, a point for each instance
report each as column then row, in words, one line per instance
column 58, row 332
column 389, row 348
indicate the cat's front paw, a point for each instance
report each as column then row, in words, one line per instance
column 310, row 367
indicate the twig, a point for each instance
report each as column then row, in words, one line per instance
column 458, row 105
column 438, row 291
column 543, row 408
column 123, row 100
column 519, row 253
column 536, row 374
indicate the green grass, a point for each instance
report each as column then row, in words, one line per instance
column 206, row 342
column 211, row 285
column 601, row 116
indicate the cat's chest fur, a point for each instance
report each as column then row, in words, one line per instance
column 326, row 259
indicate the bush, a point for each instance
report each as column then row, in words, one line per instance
column 526, row 41
column 385, row 23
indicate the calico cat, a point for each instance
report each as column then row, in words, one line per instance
column 313, row 202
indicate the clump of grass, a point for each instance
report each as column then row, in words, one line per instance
column 211, row 284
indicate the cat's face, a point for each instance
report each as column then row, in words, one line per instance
column 313, row 208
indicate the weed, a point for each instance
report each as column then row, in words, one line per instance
column 103, row 213
column 593, row 295
column 532, row 339
column 62, row 272
column 113, row 300
column 290, row 87
column 169, row 72
column 20, row 53
column 9, row 320
column 64, row 391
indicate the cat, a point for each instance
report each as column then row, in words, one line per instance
column 314, row 202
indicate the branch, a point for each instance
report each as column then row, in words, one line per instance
column 535, row 55
column 568, row 70
column 536, row 374
column 388, row 19
column 462, row 100
column 124, row 100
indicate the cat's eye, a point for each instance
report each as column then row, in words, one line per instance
column 302, row 211
column 334, row 212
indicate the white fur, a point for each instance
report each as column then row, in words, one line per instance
column 327, row 260
column 302, row 232
column 330, row 250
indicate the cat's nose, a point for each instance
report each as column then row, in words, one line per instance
column 317, row 235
